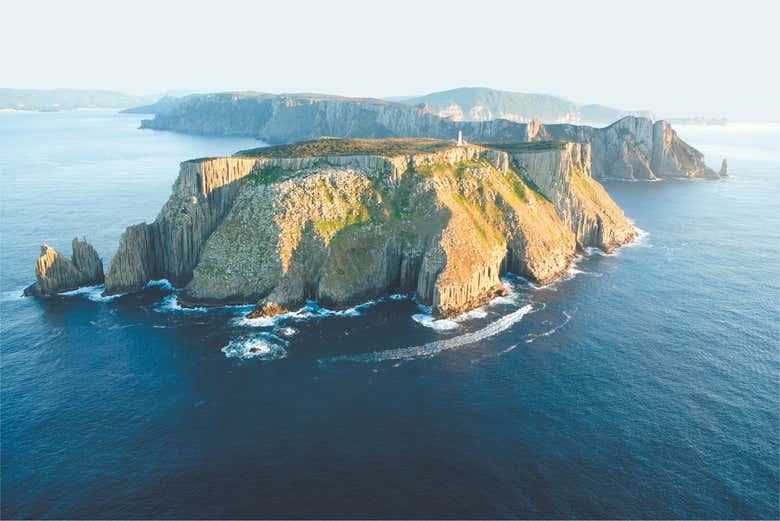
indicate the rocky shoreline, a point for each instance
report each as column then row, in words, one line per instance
column 345, row 221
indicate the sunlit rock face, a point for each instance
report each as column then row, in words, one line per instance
column 55, row 273
column 344, row 221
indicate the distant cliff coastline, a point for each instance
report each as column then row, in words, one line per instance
column 484, row 104
column 631, row 148
column 67, row 99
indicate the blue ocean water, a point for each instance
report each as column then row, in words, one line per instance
column 645, row 385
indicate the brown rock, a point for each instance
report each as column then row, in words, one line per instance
column 56, row 274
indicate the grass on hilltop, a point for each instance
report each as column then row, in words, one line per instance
column 388, row 147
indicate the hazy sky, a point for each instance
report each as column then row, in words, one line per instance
column 676, row 58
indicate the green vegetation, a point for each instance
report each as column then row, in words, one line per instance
column 525, row 146
column 267, row 175
column 389, row 147
column 329, row 228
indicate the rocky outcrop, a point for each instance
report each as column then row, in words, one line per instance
column 637, row 148
column 631, row 148
column 724, row 169
column 55, row 273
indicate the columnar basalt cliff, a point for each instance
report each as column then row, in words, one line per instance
column 170, row 246
column 343, row 221
column 562, row 173
column 631, row 148
column 55, row 273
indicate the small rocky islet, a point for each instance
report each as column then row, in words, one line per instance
column 345, row 220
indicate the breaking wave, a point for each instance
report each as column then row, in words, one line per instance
column 93, row 293
column 441, row 324
column 549, row 332
column 263, row 346
column 312, row 310
column 162, row 283
column 435, row 347
column 639, row 242
column 171, row 304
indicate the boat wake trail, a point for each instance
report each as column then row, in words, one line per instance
column 533, row 337
column 437, row 346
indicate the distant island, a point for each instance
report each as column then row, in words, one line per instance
column 68, row 99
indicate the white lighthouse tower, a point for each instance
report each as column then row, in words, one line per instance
column 460, row 138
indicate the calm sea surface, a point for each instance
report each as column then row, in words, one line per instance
column 646, row 384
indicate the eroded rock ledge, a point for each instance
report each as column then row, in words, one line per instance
column 344, row 221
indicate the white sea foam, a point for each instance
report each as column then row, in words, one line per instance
column 288, row 331
column 532, row 337
column 93, row 293
column 399, row 297
column 441, row 324
column 171, row 304
column 642, row 237
column 435, row 347
column 312, row 310
column 12, row 295
column 162, row 283
column 245, row 321
column 263, row 347
column 471, row 315
column 445, row 324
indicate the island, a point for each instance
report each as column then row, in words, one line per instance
column 342, row 221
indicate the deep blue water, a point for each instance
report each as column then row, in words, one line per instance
column 646, row 385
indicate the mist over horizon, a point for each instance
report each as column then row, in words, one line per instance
column 691, row 60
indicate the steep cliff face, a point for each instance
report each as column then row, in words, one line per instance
column 170, row 246
column 637, row 148
column 343, row 221
column 631, row 148
column 563, row 175
column 341, row 230
column 54, row 273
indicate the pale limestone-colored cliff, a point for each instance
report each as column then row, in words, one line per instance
column 54, row 273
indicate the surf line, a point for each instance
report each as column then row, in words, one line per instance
column 437, row 346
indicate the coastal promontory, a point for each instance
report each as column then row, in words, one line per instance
column 342, row 221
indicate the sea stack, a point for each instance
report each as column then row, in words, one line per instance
column 724, row 169
column 55, row 273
